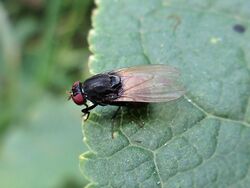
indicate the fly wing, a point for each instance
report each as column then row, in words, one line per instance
column 149, row 83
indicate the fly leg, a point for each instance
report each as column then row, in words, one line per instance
column 116, row 112
column 136, row 113
column 113, row 119
column 86, row 111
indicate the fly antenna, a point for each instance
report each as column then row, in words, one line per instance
column 69, row 93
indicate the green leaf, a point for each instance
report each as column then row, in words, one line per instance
column 200, row 140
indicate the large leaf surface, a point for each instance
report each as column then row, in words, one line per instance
column 200, row 140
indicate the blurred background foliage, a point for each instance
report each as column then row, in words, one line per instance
column 43, row 50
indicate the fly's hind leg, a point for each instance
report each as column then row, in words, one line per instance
column 137, row 113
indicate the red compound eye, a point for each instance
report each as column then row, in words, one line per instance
column 78, row 99
column 77, row 95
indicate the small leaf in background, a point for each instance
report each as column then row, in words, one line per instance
column 44, row 151
column 200, row 140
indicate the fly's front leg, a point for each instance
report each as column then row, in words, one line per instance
column 86, row 111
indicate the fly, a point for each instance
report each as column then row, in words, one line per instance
column 139, row 84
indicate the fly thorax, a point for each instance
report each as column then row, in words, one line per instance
column 115, row 81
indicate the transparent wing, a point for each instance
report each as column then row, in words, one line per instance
column 150, row 83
